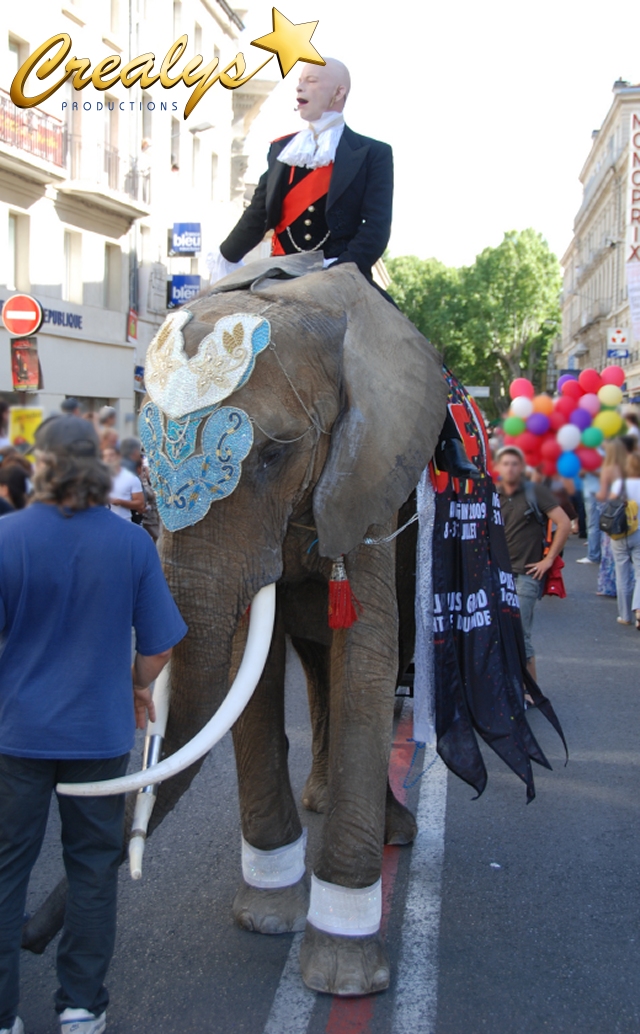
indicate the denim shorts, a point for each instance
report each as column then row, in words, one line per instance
column 529, row 591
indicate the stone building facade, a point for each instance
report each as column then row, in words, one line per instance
column 596, row 317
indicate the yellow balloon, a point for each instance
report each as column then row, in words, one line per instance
column 610, row 395
column 543, row 404
column 608, row 422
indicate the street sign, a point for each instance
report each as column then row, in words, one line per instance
column 22, row 315
column 182, row 288
column 186, row 238
column 478, row 391
column 617, row 353
column 618, row 337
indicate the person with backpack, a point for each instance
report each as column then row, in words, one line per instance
column 526, row 508
column 626, row 549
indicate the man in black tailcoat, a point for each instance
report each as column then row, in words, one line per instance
column 326, row 187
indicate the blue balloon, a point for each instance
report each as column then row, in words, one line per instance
column 568, row 465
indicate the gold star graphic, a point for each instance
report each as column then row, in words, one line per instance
column 290, row 42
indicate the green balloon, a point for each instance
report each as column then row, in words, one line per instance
column 514, row 425
column 592, row 437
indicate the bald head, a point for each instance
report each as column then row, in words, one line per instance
column 322, row 88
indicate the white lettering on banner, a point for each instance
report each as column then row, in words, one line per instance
column 462, row 522
column 497, row 509
column 508, row 592
column 467, row 612
column 633, row 224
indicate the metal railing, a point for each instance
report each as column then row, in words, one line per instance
column 104, row 166
column 30, row 130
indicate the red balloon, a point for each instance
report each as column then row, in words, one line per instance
column 557, row 420
column 590, row 381
column 548, row 468
column 509, row 439
column 573, row 390
column 528, row 442
column 613, row 375
column 521, row 386
column 590, row 459
column 550, row 450
column 566, row 404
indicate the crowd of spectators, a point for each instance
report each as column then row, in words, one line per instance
column 132, row 496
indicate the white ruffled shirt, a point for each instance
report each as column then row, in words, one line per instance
column 316, row 146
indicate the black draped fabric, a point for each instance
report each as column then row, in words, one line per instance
column 479, row 655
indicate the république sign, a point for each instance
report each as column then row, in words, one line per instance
column 288, row 41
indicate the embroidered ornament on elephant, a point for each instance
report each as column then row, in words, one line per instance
column 289, row 419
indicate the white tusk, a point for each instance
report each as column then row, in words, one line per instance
column 146, row 799
column 261, row 621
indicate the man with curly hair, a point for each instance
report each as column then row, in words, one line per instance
column 74, row 579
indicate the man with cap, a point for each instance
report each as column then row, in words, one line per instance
column 326, row 187
column 522, row 504
column 74, row 578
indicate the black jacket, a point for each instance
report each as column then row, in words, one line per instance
column 358, row 209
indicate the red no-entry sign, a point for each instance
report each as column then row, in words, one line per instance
column 22, row 315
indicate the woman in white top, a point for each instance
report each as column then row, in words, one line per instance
column 626, row 551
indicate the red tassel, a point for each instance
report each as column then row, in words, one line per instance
column 344, row 607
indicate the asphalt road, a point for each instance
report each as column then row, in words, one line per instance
column 539, row 909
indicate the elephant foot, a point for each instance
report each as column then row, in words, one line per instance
column 283, row 910
column 347, row 966
column 314, row 795
column 400, row 826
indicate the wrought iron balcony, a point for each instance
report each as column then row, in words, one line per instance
column 100, row 174
column 35, row 144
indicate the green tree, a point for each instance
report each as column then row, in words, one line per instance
column 494, row 320
column 512, row 305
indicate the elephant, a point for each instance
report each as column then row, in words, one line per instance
column 345, row 400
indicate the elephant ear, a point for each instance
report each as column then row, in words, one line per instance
column 394, row 406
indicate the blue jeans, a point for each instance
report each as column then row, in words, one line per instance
column 92, row 838
column 529, row 591
column 593, row 510
column 626, row 554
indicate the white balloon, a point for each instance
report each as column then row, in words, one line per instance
column 522, row 407
column 569, row 437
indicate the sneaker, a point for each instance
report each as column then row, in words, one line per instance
column 585, row 560
column 17, row 1028
column 79, row 1021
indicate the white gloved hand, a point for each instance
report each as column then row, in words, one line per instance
column 219, row 267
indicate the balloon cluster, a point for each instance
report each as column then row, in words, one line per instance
column 563, row 434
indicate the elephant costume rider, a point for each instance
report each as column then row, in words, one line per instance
column 326, row 187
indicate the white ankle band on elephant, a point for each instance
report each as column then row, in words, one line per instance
column 346, row 911
column 269, row 870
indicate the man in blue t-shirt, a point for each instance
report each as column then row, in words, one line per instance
column 74, row 579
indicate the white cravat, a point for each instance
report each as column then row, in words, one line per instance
column 316, row 146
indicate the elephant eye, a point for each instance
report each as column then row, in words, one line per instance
column 271, row 454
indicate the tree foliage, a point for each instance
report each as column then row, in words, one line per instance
column 494, row 320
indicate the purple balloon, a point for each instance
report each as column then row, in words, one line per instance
column 538, row 423
column 566, row 377
column 581, row 418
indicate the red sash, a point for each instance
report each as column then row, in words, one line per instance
column 309, row 190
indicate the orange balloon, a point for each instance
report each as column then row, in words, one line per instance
column 543, row 404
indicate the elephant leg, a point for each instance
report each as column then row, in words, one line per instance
column 341, row 955
column 400, row 825
column 314, row 658
column 269, row 817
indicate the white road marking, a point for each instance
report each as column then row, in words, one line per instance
column 293, row 1002
column 416, row 997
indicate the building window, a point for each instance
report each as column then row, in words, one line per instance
column 214, row 176
column 175, row 144
column 177, row 18
column 147, row 123
column 18, row 253
column 114, row 17
column 197, row 39
column 18, row 53
column 72, row 268
column 112, row 277
column 195, row 160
